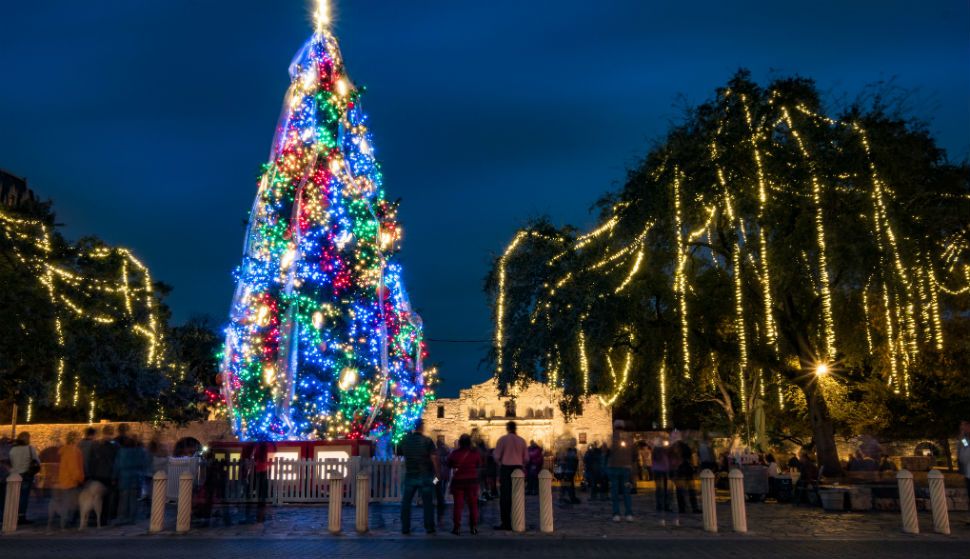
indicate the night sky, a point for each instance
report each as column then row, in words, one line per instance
column 146, row 122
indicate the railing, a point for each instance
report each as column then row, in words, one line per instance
column 291, row 481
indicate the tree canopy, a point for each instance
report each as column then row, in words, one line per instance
column 85, row 330
column 766, row 259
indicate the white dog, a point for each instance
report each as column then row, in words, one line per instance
column 91, row 499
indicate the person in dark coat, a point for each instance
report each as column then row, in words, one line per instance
column 568, row 465
column 684, row 477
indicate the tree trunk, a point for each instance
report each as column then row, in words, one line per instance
column 823, row 430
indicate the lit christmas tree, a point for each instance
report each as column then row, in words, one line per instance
column 322, row 342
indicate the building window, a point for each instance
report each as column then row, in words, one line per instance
column 441, row 440
column 510, row 408
column 441, row 412
column 582, row 438
column 548, row 413
column 472, row 413
column 529, row 413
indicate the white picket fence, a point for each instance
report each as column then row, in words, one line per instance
column 296, row 481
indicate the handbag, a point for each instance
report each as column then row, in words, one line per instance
column 34, row 468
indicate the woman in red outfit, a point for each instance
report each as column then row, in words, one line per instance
column 465, row 462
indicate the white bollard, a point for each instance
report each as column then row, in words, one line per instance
column 336, row 504
column 363, row 501
column 518, row 501
column 545, row 502
column 183, row 516
column 708, row 502
column 159, row 482
column 907, row 502
column 941, row 518
column 738, row 512
column 11, row 503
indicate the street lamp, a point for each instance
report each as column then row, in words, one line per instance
column 821, row 369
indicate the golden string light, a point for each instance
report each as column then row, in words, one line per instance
column 51, row 274
column 680, row 279
column 823, row 271
column 770, row 333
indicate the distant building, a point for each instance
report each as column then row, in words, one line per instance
column 14, row 191
column 481, row 412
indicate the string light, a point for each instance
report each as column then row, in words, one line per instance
column 823, row 272
column 680, row 280
column 51, row 274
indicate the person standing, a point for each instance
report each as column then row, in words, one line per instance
column 130, row 466
column 646, row 461
column 532, row 469
column 441, row 487
column 25, row 462
column 86, row 445
column 619, row 468
column 591, row 471
column 465, row 461
column 102, row 469
column 70, row 476
column 511, row 454
column 421, row 469
column 568, row 465
column 684, row 477
column 963, row 452
column 661, row 473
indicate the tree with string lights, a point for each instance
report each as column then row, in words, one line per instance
column 766, row 259
column 322, row 342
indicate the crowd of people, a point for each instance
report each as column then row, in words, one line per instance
column 114, row 467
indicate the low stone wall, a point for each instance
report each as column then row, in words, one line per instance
column 44, row 436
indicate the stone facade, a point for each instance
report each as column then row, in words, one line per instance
column 481, row 412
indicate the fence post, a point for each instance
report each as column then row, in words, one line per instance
column 738, row 512
column 11, row 504
column 336, row 503
column 183, row 517
column 518, row 501
column 907, row 502
column 545, row 502
column 708, row 503
column 363, row 501
column 941, row 518
column 159, row 482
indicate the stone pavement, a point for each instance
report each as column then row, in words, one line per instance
column 586, row 521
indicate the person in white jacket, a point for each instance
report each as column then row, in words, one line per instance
column 25, row 462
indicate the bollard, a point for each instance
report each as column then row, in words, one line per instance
column 183, row 516
column 518, row 501
column 708, row 503
column 336, row 503
column 11, row 504
column 363, row 501
column 941, row 518
column 907, row 502
column 738, row 513
column 545, row 502
column 159, row 482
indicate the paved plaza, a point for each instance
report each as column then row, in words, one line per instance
column 586, row 521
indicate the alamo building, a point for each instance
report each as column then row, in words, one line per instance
column 481, row 412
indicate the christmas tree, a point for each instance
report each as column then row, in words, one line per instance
column 322, row 342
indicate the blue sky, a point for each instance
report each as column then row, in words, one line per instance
column 146, row 122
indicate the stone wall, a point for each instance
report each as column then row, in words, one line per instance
column 45, row 436
column 481, row 412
